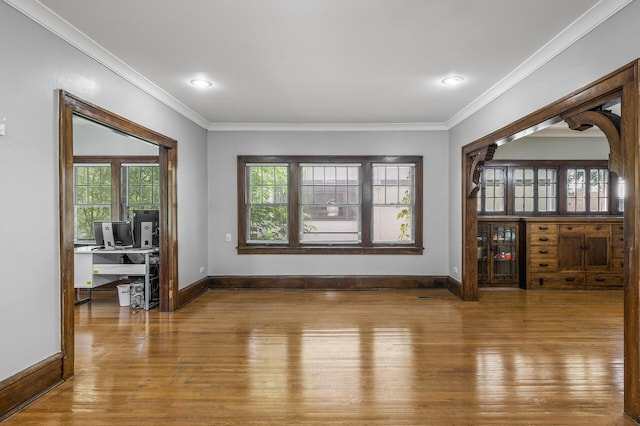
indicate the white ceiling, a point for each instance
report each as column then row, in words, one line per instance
column 322, row 62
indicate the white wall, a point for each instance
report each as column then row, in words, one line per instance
column 34, row 64
column 95, row 139
column 554, row 148
column 224, row 147
column 610, row 46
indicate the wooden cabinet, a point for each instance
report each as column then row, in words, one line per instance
column 498, row 253
column 574, row 253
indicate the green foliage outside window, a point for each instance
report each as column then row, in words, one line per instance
column 405, row 216
column 268, row 198
column 142, row 187
column 92, row 198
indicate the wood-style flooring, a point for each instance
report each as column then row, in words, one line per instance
column 347, row 357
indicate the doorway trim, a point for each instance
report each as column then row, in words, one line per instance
column 70, row 105
column 622, row 83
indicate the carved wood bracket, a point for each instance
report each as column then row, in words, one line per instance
column 477, row 164
column 609, row 123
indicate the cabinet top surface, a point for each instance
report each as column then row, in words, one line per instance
column 99, row 250
column 553, row 219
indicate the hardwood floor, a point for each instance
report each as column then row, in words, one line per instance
column 346, row 357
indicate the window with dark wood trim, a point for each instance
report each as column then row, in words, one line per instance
column 110, row 188
column 330, row 204
column 550, row 187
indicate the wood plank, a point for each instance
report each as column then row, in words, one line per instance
column 346, row 357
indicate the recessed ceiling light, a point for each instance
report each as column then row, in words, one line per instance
column 201, row 84
column 452, row 80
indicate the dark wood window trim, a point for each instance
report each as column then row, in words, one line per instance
column 294, row 246
column 561, row 166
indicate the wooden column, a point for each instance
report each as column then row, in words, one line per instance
column 631, row 160
column 473, row 165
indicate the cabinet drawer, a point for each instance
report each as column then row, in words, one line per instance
column 544, row 228
column 543, row 265
column 604, row 280
column 119, row 269
column 617, row 251
column 617, row 239
column 542, row 252
column 537, row 238
column 617, row 230
column 617, row 264
column 566, row 280
column 579, row 228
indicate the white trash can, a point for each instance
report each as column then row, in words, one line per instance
column 124, row 294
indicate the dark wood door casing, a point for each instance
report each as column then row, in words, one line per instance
column 70, row 105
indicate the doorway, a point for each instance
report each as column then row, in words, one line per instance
column 70, row 106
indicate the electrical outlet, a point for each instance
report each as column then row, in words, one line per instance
column 455, row 269
column 201, row 269
column 227, row 237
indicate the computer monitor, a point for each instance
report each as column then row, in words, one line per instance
column 146, row 230
column 113, row 235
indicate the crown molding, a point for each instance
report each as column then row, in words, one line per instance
column 326, row 127
column 39, row 13
column 584, row 24
column 53, row 22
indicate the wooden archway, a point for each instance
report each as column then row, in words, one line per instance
column 580, row 109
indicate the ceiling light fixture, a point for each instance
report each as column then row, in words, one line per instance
column 201, row 84
column 453, row 80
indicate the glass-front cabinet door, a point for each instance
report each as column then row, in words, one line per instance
column 498, row 253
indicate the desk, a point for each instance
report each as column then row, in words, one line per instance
column 94, row 267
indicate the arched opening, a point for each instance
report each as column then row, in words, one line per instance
column 579, row 110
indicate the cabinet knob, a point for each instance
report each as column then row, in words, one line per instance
column 569, row 228
column 543, row 239
column 543, row 228
column 543, row 251
column 600, row 279
column 570, row 279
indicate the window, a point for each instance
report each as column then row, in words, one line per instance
column 549, row 188
column 534, row 190
column 494, row 189
column 393, row 190
column 524, row 184
column 92, row 198
column 324, row 204
column 330, row 203
column 267, row 204
column 106, row 188
column 141, row 184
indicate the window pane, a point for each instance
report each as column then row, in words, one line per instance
column 267, row 207
column 493, row 185
column 333, row 213
column 393, row 203
column 141, row 183
column 621, row 192
column 598, row 190
column 523, row 189
column 547, row 190
column 92, row 198
column 267, row 223
column 576, row 190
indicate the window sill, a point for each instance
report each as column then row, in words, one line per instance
column 270, row 249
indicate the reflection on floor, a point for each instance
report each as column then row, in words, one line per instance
column 348, row 357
